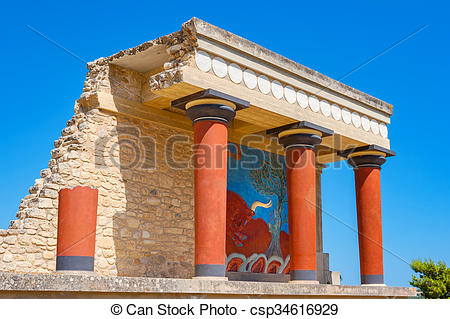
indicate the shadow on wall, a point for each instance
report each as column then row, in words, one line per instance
column 153, row 231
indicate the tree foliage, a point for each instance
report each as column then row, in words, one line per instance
column 270, row 179
column 434, row 279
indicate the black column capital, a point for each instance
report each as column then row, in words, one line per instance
column 301, row 134
column 298, row 139
column 367, row 161
column 367, row 156
column 210, row 105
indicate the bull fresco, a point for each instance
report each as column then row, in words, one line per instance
column 257, row 228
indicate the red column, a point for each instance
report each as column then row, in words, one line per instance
column 211, row 112
column 77, row 219
column 211, row 116
column 367, row 161
column 300, row 142
column 301, row 187
column 210, row 174
column 368, row 203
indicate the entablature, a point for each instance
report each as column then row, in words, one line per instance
column 280, row 91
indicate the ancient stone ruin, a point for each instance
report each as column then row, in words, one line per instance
column 131, row 141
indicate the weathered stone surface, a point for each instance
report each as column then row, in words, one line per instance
column 31, row 223
column 67, row 131
column 33, row 189
column 37, row 213
column 10, row 240
column 48, row 255
column 7, row 257
column 57, row 153
column 44, row 203
column 72, row 155
column 54, row 187
column 105, row 242
column 73, row 284
column 135, row 215
column 48, row 193
column 45, row 172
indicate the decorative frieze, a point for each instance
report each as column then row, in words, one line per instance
column 238, row 74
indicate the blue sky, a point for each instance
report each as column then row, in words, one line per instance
column 40, row 83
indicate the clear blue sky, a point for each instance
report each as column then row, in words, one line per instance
column 40, row 83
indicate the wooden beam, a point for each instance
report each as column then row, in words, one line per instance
column 239, row 133
column 137, row 110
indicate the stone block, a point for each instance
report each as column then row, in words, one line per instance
column 44, row 203
column 73, row 155
column 57, row 152
column 68, row 130
column 7, row 257
column 176, row 202
column 48, row 193
column 108, row 253
column 48, row 255
column 51, row 186
column 166, row 181
column 37, row 241
column 63, row 167
column 105, row 242
column 33, row 189
column 108, row 232
column 17, row 250
column 45, row 172
column 10, row 240
column 132, row 222
column 176, row 231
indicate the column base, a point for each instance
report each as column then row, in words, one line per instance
column 210, row 278
column 304, row 275
column 74, row 263
column 304, row 282
column 372, row 280
column 210, row 270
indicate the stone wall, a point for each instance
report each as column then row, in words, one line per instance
column 145, row 209
column 145, row 212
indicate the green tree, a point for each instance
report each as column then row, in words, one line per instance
column 434, row 279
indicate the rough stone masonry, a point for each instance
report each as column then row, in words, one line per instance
column 145, row 217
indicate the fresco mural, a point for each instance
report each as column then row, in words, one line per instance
column 257, row 226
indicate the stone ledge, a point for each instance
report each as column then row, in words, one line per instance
column 82, row 285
